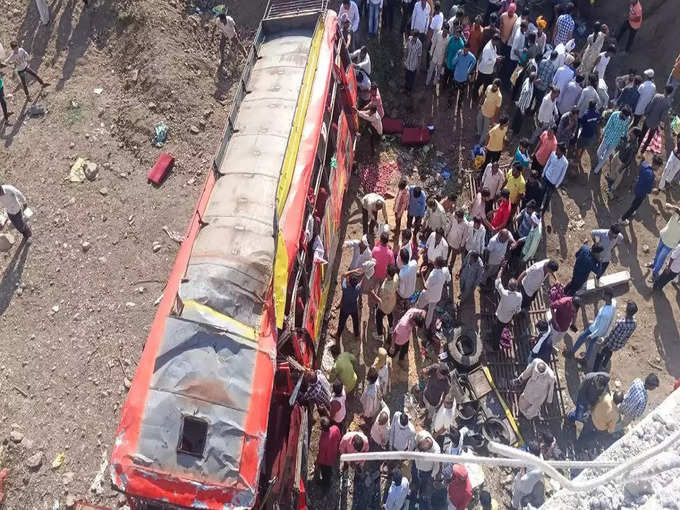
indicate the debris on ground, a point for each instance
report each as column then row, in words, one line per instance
column 58, row 461
column 35, row 461
column 97, row 485
column 6, row 242
column 178, row 238
column 160, row 132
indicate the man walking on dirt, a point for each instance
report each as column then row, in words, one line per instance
column 227, row 26
column 15, row 202
column 19, row 58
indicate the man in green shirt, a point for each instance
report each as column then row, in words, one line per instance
column 3, row 104
column 343, row 368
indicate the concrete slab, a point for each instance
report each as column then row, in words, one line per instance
column 607, row 281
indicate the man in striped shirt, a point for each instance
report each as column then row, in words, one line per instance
column 617, row 338
column 414, row 49
column 635, row 400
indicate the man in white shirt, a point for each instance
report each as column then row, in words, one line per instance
column 420, row 19
column 492, row 179
column 361, row 60
column 227, row 26
column 398, row 491
column 408, row 275
column 440, row 40
column 564, row 74
column 487, row 63
column 646, row 90
column 435, row 216
column 375, row 126
column 423, row 471
column 434, row 287
column 476, row 238
column 509, row 304
column 494, row 253
column 402, row 433
column 553, row 174
column 435, row 246
column 350, row 8
column 361, row 252
column 545, row 119
column 456, row 236
column 15, row 202
column 533, row 277
column 371, row 204
column 19, row 59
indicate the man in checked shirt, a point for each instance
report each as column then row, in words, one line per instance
column 635, row 400
column 617, row 338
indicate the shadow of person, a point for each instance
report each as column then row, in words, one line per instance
column 11, row 276
column 558, row 219
column 666, row 333
column 16, row 126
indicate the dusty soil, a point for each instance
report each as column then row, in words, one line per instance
column 74, row 316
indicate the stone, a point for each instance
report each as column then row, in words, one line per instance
column 16, row 436
column 104, row 191
column 156, row 247
column 127, row 383
column 202, row 124
column 645, row 248
column 152, row 106
column 35, row 461
column 194, row 130
column 134, row 76
column 207, row 113
column 85, row 246
column 6, row 242
column 70, row 501
column 67, row 478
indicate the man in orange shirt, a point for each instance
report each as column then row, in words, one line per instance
column 632, row 24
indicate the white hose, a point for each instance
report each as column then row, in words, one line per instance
column 518, row 458
column 470, row 459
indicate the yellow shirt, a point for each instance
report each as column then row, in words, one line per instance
column 516, row 186
column 492, row 101
column 605, row 414
column 496, row 137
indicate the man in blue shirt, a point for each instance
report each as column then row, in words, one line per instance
column 456, row 43
column 598, row 328
column 463, row 65
column 616, row 128
column 643, row 186
column 416, row 208
column 349, row 302
column 587, row 261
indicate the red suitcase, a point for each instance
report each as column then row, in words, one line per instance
column 415, row 136
column 392, row 126
column 160, row 168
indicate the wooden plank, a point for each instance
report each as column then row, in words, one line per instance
column 608, row 281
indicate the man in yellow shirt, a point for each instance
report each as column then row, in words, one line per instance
column 515, row 184
column 495, row 142
column 604, row 417
column 490, row 105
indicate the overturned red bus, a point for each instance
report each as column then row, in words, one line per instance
column 209, row 422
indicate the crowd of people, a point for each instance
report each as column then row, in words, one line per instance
column 561, row 106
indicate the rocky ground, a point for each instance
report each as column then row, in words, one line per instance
column 76, row 304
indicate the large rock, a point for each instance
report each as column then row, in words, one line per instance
column 6, row 242
column 35, row 461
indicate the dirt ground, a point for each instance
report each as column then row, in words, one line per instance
column 76, row 304
column 74, row 316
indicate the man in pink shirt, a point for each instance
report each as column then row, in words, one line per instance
column 402, row 331
column 353, row 442
column 383, row 255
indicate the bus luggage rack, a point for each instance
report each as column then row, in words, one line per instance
column 283, row 8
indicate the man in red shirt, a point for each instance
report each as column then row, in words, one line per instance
column 563, row 313
column 329, row 446
column 501, row 215
column 632, row 24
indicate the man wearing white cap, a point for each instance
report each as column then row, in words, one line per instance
column 646, row 90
